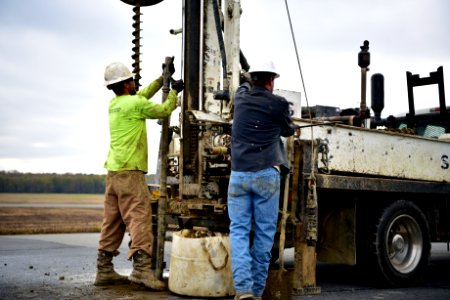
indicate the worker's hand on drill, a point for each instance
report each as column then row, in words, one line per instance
column 178, row 85
column 170, row 67
column 291, row 108
column 245, row 77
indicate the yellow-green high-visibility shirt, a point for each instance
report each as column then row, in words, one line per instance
column 127, row 126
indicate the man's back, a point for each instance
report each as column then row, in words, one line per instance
column 128, row 134
column 260, row 118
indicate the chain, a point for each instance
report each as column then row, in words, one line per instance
column 311, row 211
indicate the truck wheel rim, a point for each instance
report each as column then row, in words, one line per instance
column 404, row 244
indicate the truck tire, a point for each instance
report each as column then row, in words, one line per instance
column 400, row 244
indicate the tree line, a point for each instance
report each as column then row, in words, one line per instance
column 16, row 182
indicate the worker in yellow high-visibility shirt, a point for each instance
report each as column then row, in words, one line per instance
column 127, row 202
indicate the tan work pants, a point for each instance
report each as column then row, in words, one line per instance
column 127, row 206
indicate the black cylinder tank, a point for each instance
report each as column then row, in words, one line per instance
column 377, row 94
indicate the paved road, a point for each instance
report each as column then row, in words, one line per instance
column 62, row 266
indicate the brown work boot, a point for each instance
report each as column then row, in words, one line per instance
column 142, row 273
column 245, row 295
column 105, row 270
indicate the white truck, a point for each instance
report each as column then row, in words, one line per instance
column 362, row 190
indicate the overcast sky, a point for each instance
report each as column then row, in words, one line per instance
column 53, row 54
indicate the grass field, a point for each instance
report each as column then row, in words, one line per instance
column 51, row 198
column 47, row 219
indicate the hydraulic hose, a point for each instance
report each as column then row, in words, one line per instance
column 220, row 37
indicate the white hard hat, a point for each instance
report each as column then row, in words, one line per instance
column 116, row 72
column 267, row 67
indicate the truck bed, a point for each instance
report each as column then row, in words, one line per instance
column 381, row 153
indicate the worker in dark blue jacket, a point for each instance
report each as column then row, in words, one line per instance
column 258, row 158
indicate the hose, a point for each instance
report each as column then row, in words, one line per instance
column 220, row 37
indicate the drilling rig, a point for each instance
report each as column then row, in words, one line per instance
column 362, row 190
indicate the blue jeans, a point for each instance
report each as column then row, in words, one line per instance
column 252, row 196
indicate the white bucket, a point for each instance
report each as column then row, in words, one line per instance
column 201, row 266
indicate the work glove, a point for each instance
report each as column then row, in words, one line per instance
column 178, row 85
column 245, row 77
column 291, row 108
column 170, row 67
